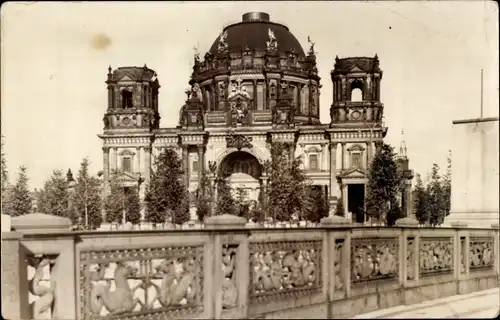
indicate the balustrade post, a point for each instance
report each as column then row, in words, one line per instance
column 338, row 258
column 15, row 303
column 231, row 267
column 496, row 250
column 57, row 254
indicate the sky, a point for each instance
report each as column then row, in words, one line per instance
column 54, row 60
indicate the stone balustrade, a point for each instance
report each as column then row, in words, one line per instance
column 227, row 270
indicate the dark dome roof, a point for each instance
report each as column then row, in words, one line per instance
column 253, row 32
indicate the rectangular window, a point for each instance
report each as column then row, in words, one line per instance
column 313, row 162
column 195, row 166
column 126, row 164
column 356, row 160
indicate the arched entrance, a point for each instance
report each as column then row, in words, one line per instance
column 243, row 171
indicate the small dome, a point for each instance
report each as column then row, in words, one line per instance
column 253, row 32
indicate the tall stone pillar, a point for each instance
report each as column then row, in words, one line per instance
column 185, row 164
column 147, row 164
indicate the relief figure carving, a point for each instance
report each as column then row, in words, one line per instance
column 121, row 299
column 46, row 297
column 339, row 279
column 481, row 253
column 280, row 268
column 436, row 255
column 229, row 291
column 374, row 259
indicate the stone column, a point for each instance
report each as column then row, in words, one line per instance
column 291, row 147
column 115, row 158
column 139, row 155
column 185, row 164
column 344, row 158
column 105, row 175
column 344, row 198
column 333, row 169
column 201, row 162
column 254, row 94
column 147, row 164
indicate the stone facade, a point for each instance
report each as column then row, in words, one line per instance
column 245, row 95
column 475, row 172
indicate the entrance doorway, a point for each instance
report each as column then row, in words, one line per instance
column 356, row 201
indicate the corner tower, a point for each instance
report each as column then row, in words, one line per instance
column 132, row 99
column 356, row 91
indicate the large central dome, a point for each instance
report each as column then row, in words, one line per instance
column 253, row 32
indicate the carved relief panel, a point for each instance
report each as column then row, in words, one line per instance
column 42, row 283
column 284, row 269
column 149, row 282
column 481, row 253
column 435, row 255
column 374, row 259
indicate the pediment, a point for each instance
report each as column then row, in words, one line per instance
column 125, row 177
column 355, row 68
column 125, row 78
column 353, row 173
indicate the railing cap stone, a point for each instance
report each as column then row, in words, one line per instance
column 40, row 223
column 335, row 221
column 225, row 221
column 495, row 226
column 407, row 222
column 458, row 224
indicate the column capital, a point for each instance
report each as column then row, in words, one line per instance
column 147, row 149
column 333, row 145
column 106, row 149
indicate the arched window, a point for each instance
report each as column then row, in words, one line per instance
column 126, row 99
column 357, row 91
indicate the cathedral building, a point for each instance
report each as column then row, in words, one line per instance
column 255, row 86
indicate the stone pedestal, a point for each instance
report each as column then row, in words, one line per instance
column 333, row 221
column 225, row 221
column 407, row 222
column 40, row 223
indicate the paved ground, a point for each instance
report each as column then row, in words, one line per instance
column 482, row 304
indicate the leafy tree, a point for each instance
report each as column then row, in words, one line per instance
column 257, row 214
column 242, row 204
column 122, row 199
column 225, row 201
column 166, row 192
column 289, row 192
column 18, row 200
column 181, row 214
column 446, row 186
column 319, row 208
column 383, row 183
column 204, row 198
column 339, row 210
column 421, row 201
column 54, row 198
column 4, row 177
column 86, row 197
column 436, row 201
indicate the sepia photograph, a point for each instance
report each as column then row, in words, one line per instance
column 249, row 160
